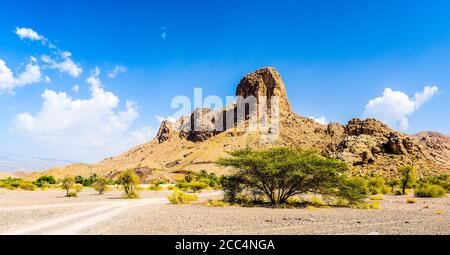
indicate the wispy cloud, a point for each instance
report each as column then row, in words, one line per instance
column 60, row 60
column 163, row 33
column 117, row 71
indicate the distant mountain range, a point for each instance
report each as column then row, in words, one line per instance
column 14, row 163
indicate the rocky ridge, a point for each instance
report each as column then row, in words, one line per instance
column 195, row 142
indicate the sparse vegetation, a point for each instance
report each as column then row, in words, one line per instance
column 411, row 200
column 44, row 181
column 281, row 173
column 376, row 197
column 377, row 185
column 216, row 203
column 408, row 177
column 439, row 212
column 430, row 190
column 101, row 185
column 67, row 184
column 129, row 181
column 179, row 197
column 16, row 183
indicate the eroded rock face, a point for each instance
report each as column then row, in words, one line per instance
column 165, row 131
column 265, row 82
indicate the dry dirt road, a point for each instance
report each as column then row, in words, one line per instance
column 49, row 212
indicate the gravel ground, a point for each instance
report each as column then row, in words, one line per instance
column 48, row 212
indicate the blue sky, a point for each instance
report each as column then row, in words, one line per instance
column 339, row 60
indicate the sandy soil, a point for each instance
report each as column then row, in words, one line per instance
column 49, row 212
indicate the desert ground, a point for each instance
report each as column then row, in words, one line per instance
column 49, row 212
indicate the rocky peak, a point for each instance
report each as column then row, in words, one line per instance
column 165, row 131
column 265, row 82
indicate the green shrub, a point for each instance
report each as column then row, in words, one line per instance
column 316, row 201
column 340, row 202
column 440, row 180
column 101, row 185
column 411, row 200
column 433, row 191
column 155, row 187
column 45, row 180
column 197, row 186
column 129, row 181
column 216, row 203
column 398, row 192
column 294, row 201
column 179, row 197
column 376, row 197
column 72, row 194
column 78, row 187
column 25, row 185
column 194, row 186
column 67, row 184
column 377, row 185
column 375, row 205
column 353, row 189
column 16, row 183
column 189, row 177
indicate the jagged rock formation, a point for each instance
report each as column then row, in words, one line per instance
column 195, row 142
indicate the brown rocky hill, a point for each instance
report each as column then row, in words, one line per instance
column 195, row 142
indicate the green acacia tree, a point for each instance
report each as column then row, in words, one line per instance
column 67, row 184
column 100, row 185
column 129, row 180
column 408, row 178
column 281, row 173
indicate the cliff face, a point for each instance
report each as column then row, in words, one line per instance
column 195, row 142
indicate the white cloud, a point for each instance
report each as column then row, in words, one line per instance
column 116, row 71
column 322, row 120
column 96, row 124
column 394, row 107
column 64, row 64
column 28, row 33
column 76, row 88
column 8, row 81
column 61, row 60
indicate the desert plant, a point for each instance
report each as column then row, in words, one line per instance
column 377, row 185
column 197, row 186
column 281, row 173
column 316, row 201
column 67, row 184
column 411, row 200
column 101, row 185
column 430, row 190
column 393, row 183
column 45, row 180
column 155, row 187
column 78, row 187
column 408, row 177
column 216, row 203
column 375, row 205
column 376, row 197
column 178, row 197
column 72, row 194
column 189, row 177
column 129, row 180
column 26, row 185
